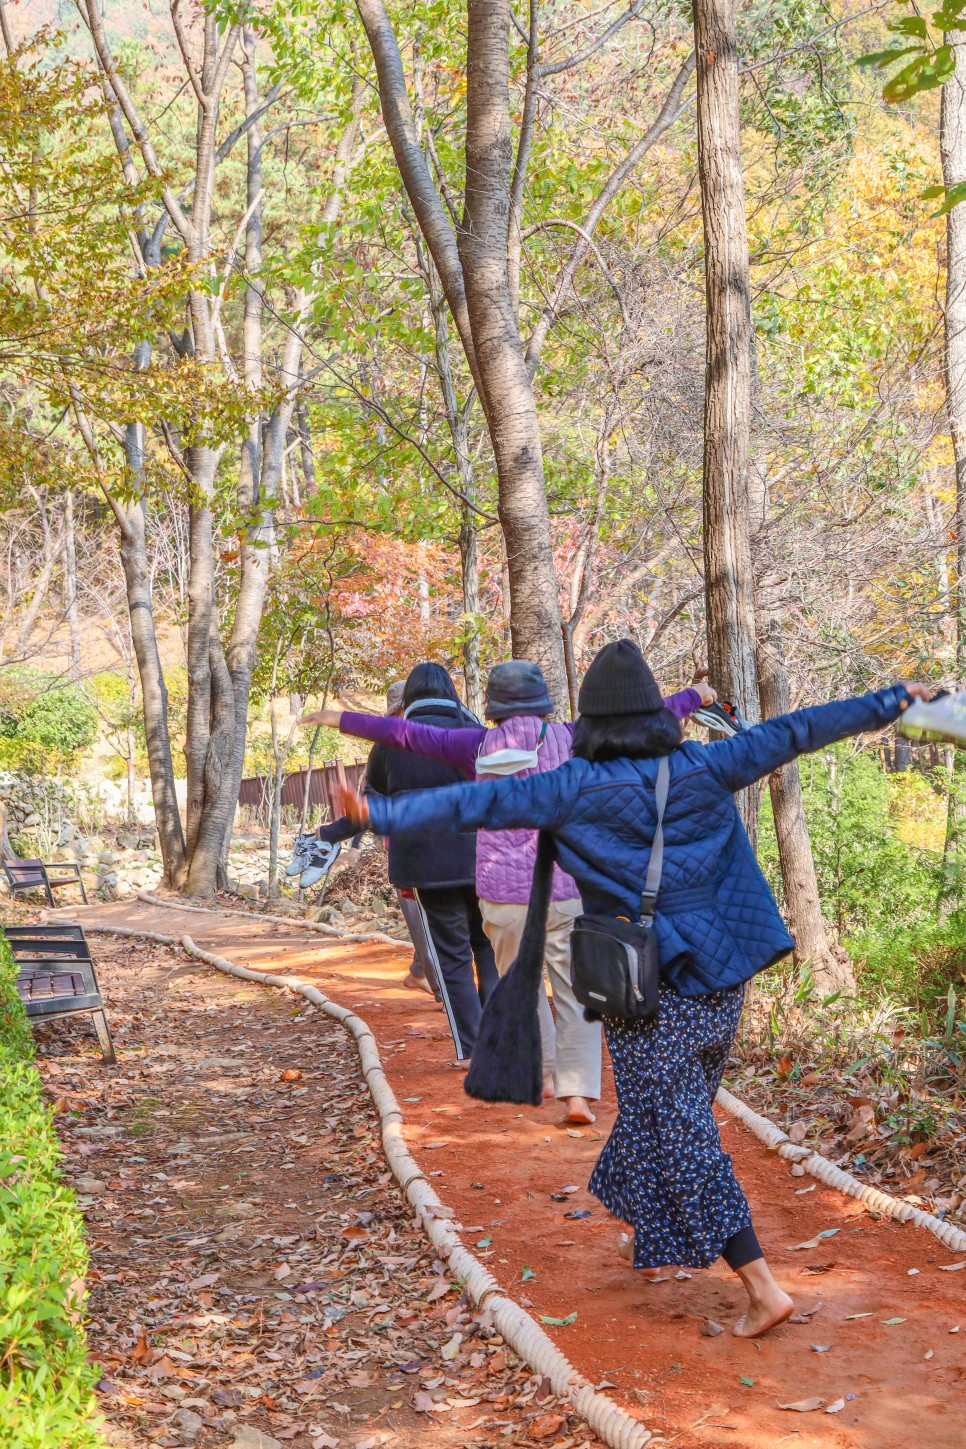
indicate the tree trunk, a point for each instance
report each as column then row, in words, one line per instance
column 70, row 584
column 507, row 390
column 474, row 274
column 154, row 694
column 952, row 145
column 727, row 415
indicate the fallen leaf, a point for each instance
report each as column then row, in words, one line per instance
column 784, row 1066
column 282, row 1272
column 820, row 1347
column 438, row 1290
column 292, row 1074
column 452, row 1348
column 546, row 1425
column 928, row 1353
column 888, row 1322
column 805, row 1315
column 836, row 1407
column 205, row 1281
column 801, row 1191
column 710, row 1329
column 485, row 1242
column 849, row 1316
column 578, row 1213
column 797, row 1133
column 558, row 1322
column 816, row 1241
column 805, row 1406
column 952, row 1267
column 527, row 1274
column 574, row 1132
column 423, row 1403
column 862, row 1124
column 748, row 1383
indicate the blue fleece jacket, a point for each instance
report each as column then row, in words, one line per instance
column 717, row 921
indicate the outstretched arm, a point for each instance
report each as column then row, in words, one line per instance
column 754, row 753
column 543, row 800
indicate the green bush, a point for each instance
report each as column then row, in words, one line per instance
column 879, row 892
column 41, row 718
column 46, row 1383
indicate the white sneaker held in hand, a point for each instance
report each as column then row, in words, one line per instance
column 942, row 718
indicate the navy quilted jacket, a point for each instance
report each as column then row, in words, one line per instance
column 717, row 921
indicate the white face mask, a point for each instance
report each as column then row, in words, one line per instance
column 510, row 761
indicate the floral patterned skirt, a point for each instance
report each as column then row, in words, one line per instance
column 663, row 1170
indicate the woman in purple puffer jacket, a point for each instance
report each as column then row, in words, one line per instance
column 523, row 742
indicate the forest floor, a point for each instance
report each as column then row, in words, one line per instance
column 227, row 1248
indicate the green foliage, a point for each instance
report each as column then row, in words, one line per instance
column 878, row 891
column 933, row 61
column 43, row 716
column 46, row 1383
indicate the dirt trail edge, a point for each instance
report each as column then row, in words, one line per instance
column 881, row 1337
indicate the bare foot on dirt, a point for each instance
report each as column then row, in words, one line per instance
column 578, row 1111
column 549, row 1090
column 416, row 983
column 770, row 1305
column 625, row 1250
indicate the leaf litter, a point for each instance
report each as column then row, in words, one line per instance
column 254, row 1269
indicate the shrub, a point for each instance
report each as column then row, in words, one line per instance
column 46, row 1383
column 41, row 718
column 874, row 841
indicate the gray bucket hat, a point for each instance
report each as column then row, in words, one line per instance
column 517, row 687
column 394, row 696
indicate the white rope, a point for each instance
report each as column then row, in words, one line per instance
column 818, row 1166
column 611, row 1423
column 290, row 921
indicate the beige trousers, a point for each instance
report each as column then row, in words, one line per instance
column 571, row 1046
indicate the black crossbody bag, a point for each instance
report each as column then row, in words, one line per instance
column 615, row 963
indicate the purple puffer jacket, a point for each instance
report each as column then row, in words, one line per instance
column 504, row 858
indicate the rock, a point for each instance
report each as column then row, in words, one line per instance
column 282, row 906
column 248, row 1437
column 106, row 857
column 31, row 821
column 378, row 906
column 314, row 913
column 347, row 907
column 188, row 1423
column 90, row 1186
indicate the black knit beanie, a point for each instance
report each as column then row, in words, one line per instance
column 619, row 681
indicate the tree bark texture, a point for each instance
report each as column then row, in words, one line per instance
column 474, row 273
column 508, row 397
column 154, row 694
column 70, row 584
column 952, row 145
column 729, row 589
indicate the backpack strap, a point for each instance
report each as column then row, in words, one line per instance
column 656, row 863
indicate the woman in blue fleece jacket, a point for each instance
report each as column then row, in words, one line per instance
column 663, row 1170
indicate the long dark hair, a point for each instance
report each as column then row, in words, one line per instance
column 626, row 736
column 429, row 681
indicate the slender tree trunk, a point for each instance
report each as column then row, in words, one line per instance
column 727, row 419
column 459, row 436
column 952, row 145
column 154, row 694
column 831, row 971
column 507, row 390
column 70, row 584
column 306, row 455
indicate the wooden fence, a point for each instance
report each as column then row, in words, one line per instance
column 256, row 790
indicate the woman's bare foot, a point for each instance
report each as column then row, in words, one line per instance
column 625, row 1250
column 416, row 983
column 769, row 1306
column 578, row 1110
column 549, row 1089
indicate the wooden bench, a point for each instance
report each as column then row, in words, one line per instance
column 35, row 875
column 56, row 976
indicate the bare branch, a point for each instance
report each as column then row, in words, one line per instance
column 670, row 111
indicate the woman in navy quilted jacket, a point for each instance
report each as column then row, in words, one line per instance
column 663, row 1170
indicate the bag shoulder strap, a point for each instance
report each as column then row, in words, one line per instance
column 656, row 863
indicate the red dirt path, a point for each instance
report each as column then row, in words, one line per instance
column 497, row 1168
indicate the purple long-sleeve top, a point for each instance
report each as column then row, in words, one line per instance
column 504, row 858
